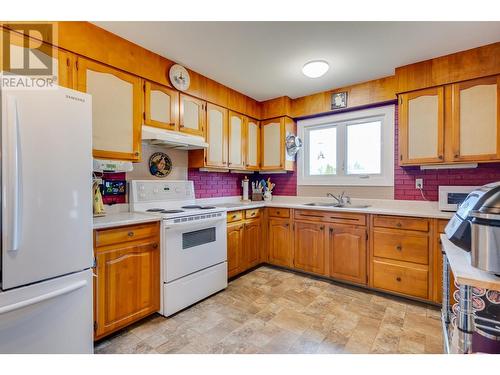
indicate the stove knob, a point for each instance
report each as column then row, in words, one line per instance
column 142, row 195
column 142, row 187
column 156, row 191
column 177, row 190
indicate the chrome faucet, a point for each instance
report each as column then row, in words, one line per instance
column 340, row 198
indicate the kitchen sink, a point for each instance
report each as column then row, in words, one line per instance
column 322, row 204
column 336, row 205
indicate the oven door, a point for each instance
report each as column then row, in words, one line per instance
column 192, row 246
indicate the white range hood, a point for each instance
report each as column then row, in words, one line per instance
column 171, row 139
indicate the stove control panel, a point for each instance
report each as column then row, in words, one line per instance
column 142, row 191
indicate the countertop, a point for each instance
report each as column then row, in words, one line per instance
column 123, row 218
column 462, row 269
column 375, row 206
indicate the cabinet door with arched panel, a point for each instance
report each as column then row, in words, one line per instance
column 475, row 119
column 421, row 126
column 161, row 106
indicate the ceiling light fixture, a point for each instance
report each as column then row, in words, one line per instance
column 315, row 68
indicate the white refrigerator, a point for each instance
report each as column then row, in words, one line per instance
column 46, row 222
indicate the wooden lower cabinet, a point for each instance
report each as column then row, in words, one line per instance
column 127, row 287
column 309, row 250
column 438, row 267
column 252, row 243
column 401, row 278
column 244, row 241
column 347, row 253
column 234, row 248
column 280, row 242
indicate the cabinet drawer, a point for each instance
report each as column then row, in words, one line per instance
column 331, row 217
column 252, row 214
column 397, row 222
column 399, row 278
column 104, row 237
column 279, row 212
column 401, row 245
column 234, row 216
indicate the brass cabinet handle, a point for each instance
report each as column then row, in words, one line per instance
column 441, row 157
column 398, row 278
column 398, row 225
column 322, row 227
column 155, row 245
column 331, row 230
column 130, row 234
column 399, row 248
column 234, row 217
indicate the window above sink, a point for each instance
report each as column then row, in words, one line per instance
column 354, row 148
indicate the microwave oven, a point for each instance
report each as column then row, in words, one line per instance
column 450, row 197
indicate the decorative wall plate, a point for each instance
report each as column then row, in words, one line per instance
column 179, row 77
column 160, row 164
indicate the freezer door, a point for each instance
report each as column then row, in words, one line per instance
column 46, row 184
column 53, row 316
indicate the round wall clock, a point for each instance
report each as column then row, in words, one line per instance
column 160, row 164
column 179, row 77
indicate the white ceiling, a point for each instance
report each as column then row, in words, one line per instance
column 264, row 59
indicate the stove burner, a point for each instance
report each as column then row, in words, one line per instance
column 155, row 210
column 207, row 207
column 191, row 207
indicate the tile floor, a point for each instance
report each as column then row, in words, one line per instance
column 274, row 311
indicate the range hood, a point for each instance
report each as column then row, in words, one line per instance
column 171, row 139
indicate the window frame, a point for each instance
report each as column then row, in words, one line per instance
column 384, row 114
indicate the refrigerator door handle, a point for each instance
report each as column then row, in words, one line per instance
column 12, row 184
column 44, row 297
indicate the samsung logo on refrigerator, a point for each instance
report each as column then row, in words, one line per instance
column 75, row 98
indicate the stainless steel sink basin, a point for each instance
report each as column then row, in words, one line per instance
column 322, row 204
column 336, row 205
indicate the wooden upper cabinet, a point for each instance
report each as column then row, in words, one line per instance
column 347, row 251
column 192, row 115
column 161, row 106
column 273, row 151
column 280, row 243
column 116, row 110
column 66, row 69
column 217, row 136
column 475, row 119
column 309, row 252
column 237, row 125
column 421, row 126
column 252, row 137
column 273, row 144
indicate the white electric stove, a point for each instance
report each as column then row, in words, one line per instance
column 194, row 244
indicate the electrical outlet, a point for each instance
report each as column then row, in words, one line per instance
column 419, row 183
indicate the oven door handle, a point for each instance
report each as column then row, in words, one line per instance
column 195, row 223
